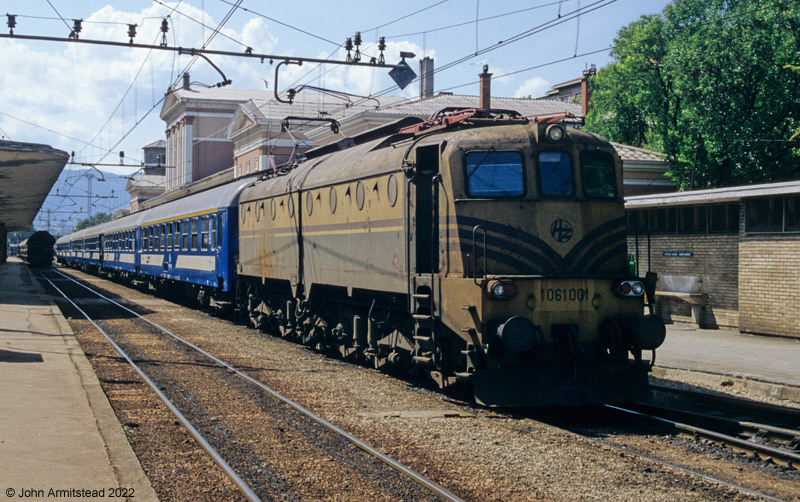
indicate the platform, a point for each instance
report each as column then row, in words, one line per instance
column 57, row 429
column 728, row 360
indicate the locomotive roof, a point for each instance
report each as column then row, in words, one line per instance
column 374, row 157
column 350, row 164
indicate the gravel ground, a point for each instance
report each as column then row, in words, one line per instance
column 475, row 453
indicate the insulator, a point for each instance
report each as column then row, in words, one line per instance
column 132, row 32
column 12, row 22
column 348, row 45
column 164, row 30
column 76, row 26
column 358, row 38
column 382, row 44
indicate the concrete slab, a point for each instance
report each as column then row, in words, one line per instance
column 57, row 429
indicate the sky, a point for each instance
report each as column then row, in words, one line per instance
column 97, row 101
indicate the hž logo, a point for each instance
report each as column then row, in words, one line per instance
column 561, row 230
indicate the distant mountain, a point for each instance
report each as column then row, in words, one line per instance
column 68, row 200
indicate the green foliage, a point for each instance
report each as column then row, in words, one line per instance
column 94, row 220
column 706, row 79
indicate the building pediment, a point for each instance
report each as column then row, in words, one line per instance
column 242, row 120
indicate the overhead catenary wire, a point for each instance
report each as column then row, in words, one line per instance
column 59, row 15
column 515, row 38
column 465, row 23
column 201, row 23
column 287, row 25
column 339, row 46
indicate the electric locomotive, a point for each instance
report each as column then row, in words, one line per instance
column 478, row 247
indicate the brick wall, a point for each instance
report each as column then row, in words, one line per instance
column 715, row 259
column 769, row 279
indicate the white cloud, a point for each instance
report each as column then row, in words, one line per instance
column 534, row 87
column 72, row 89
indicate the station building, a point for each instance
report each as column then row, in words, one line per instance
column 726, row 257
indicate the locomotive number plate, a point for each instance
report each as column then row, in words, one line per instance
column 563, row 299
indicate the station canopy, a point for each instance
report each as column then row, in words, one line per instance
column 27, row 173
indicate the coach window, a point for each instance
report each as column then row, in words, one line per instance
column 494, row 174
column 599, row 181
column 219, row 230
column 185, row 229
column 212, row 221
column 204, row 233
column 555, row 173
column 163, row 236
column 156, row 238
column 195, row 232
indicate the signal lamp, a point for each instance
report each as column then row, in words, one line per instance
column 502, row 290
column 628, row 288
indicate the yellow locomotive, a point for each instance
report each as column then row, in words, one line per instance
column 478, row 246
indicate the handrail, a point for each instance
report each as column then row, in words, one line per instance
column 475, row 230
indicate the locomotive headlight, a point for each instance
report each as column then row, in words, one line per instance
column 502, row 290
column 554, row 132
column 628, row 288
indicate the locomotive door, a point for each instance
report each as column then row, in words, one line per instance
column 426, row 210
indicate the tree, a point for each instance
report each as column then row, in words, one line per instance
column 704, row 82
column 94, row 220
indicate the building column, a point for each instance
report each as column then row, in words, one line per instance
column 168, row 160
column 188, row 144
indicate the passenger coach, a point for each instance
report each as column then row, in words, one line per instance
column 190, row 243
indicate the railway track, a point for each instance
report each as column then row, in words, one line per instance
column 754, row 438
column 759, row 432
column 289, row 452
column 767, row 431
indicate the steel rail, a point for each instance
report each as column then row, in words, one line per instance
column 688, row 470
column 240, row 484
column 743, row 426
column 788, row 458
column 413, row 475
column 727, row 400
